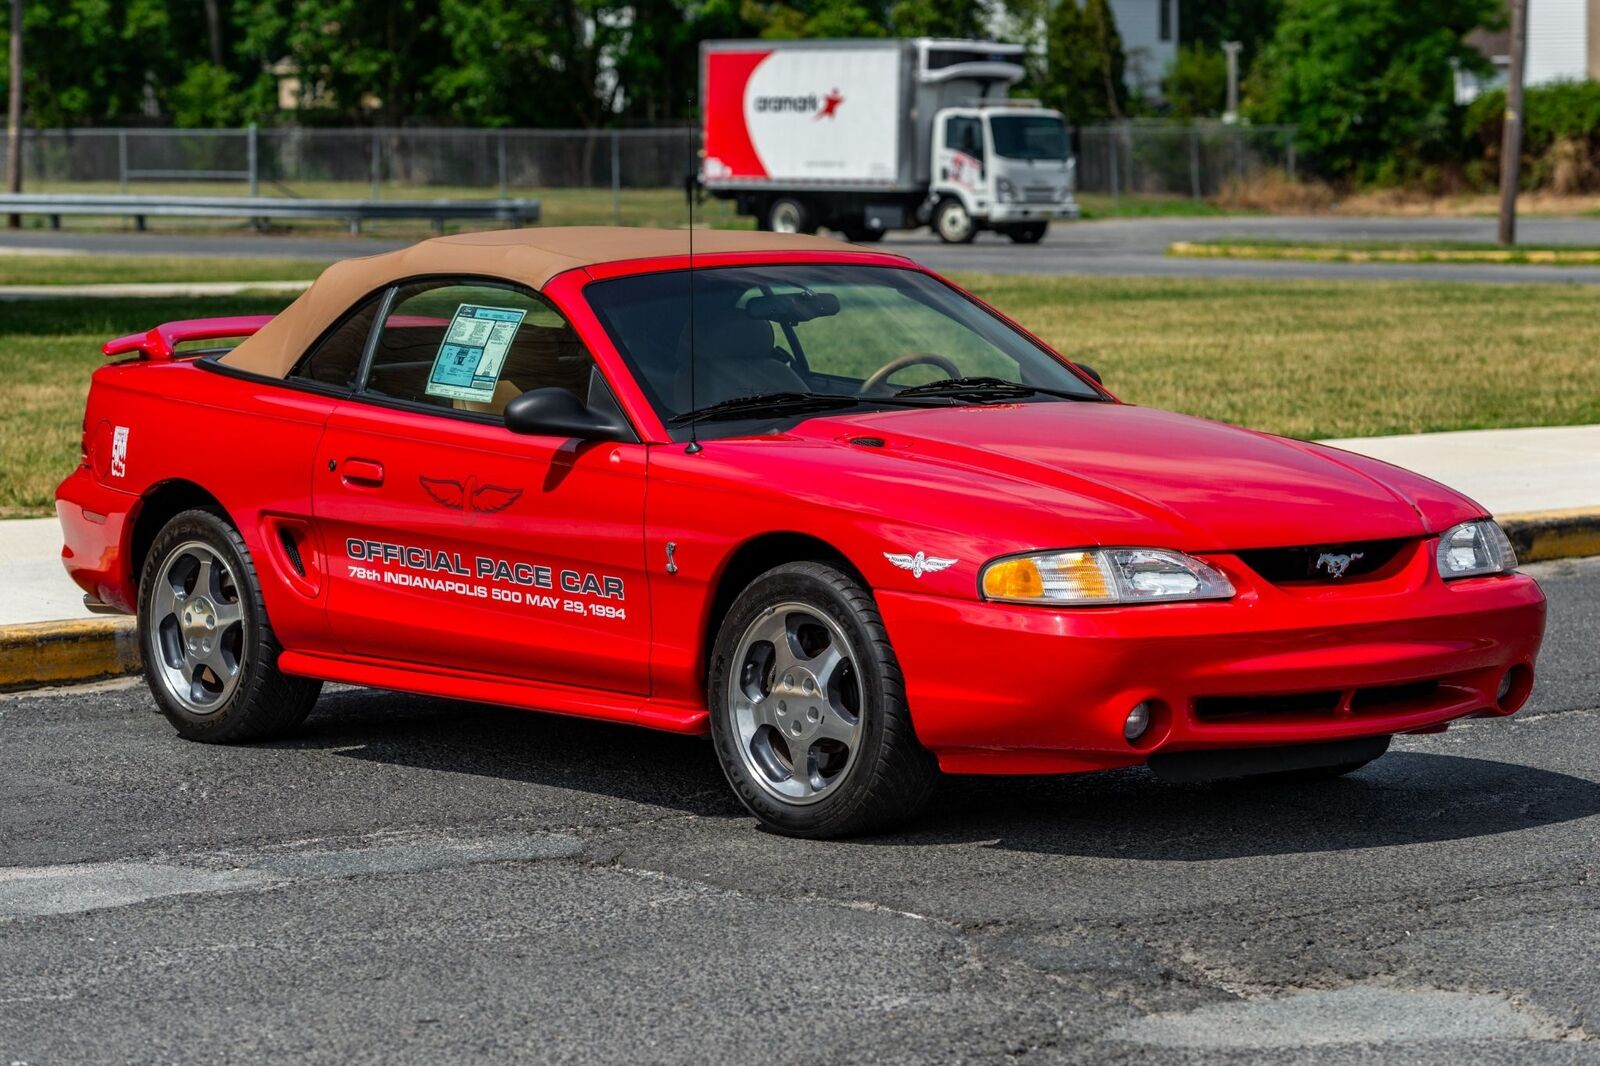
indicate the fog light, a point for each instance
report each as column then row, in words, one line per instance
column 1505, row 686
column 1138, row 721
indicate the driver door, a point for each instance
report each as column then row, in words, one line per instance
column 460, row 546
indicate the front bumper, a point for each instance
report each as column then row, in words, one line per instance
column 1004, row 214
column 996, row 688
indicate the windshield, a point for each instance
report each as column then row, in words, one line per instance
column 857, row 335
column 1029, row 136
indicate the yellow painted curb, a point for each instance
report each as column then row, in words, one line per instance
column 1542, row 535
column 1330, row 254
column 52, row 653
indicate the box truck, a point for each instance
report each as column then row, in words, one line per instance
column 874, row 135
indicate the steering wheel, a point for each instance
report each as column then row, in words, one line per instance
column 880, row 377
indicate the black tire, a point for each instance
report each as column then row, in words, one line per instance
column 891, row 775
column 952, row 224
column 789, row 214
column 862, row 235
column 263, row 702
column 1027, row 232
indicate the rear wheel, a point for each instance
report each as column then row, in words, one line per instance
column 210, row 655
column 789, row 215
column 953, row 224
column 808, row 709
column 862, row 235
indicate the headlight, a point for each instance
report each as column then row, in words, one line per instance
column 1475, row 548
column 1103, row 576
column 1004, row 190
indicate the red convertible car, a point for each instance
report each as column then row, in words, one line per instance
column 813, row 500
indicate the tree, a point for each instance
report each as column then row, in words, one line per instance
column 1210, row 22
column 1084, row 79
column 1197, row 84
column 1369, row 82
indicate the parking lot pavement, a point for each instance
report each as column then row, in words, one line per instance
column 420, row 880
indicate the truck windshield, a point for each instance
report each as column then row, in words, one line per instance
column 805, row 335
column 1029, row 136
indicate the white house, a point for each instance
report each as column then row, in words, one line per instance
column 1563, row 45
column 1149, row 30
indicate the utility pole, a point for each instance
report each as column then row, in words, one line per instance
column 1231, row 49
column 14, row 112
column 1511, row 135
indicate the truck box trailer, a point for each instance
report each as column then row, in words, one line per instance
column 867, row 136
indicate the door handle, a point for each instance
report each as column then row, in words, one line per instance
column 363, row 472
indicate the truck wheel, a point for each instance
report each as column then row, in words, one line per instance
column 209, row 653
column 788, row 215
column 952, row 223
column 1028, row 232
column 808, row 708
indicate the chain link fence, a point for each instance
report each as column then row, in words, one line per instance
column 1198, row 160
column 605, row 172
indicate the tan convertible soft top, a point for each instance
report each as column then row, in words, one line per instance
column 529, row 257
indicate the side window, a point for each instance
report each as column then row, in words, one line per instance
column 334, row 359
column 471, row 345
column 964, row 135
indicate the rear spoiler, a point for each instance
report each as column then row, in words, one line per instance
column 162, row 342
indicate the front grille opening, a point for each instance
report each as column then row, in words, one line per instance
column 292, row 550
column 1245, row 708
column 1386, row 697
column 1326, row 564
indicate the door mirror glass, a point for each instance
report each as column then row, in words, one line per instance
column 1091, row 371
column 555, row 412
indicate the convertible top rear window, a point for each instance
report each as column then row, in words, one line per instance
column 833, row 329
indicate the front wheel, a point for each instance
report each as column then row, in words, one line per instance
column 808, row 708
column 953, row 224
column 210, row 655
column 1027, row 232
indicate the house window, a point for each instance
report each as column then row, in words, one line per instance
column 1166, row 18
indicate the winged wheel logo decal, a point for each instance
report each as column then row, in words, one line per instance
column 920, row 563
column 469, row 496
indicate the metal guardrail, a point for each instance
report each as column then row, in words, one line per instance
column 262, row 208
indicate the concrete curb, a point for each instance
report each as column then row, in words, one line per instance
column 53, row 653
column 1542, row 535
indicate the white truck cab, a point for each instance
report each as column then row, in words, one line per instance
column 1007, row 167
column 875, row 135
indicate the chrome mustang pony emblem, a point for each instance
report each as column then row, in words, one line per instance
column 920, row 563
column 1336, row 565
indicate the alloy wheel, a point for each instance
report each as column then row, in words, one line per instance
column 197, row 628
column 795, row 703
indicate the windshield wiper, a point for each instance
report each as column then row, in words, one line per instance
column 981, row 388
column 787, row 403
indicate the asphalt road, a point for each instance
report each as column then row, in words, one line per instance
column 1135, row 247
column 423, row 881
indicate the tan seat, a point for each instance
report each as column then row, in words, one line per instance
column 733, row 357
column 504, row 393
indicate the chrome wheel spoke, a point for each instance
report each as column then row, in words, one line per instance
column 800, row 760
column 228, row 614
column 834, row 726
column 824, row 663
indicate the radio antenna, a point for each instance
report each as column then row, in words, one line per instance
column 692, row 187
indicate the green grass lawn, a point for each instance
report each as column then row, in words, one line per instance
column 1387, row 251
column 102, row 269
column 1310, row 359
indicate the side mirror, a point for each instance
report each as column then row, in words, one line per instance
column 553, row 412
column 1091, row 371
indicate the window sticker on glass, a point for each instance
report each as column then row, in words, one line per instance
column 473, row 352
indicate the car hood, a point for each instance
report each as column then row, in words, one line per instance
column 1126, row 472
